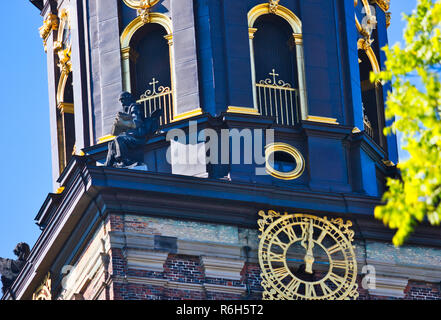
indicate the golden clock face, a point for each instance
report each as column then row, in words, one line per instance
column 306, row 257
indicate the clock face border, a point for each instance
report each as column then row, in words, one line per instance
column 272, row 225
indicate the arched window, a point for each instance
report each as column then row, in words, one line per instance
column 368, row 57
column 147, row 56
column 274, row 48
column 277, row 64
column 65, row 93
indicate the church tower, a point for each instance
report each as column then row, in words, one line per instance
column 262, row 158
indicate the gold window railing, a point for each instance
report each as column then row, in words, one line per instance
column 158, row 98
column 276, row 98
column 367, row 125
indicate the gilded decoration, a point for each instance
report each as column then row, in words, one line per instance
column 290, row 150
column 128, row 54
column 143, row 8
column 365, row 29
column 388, row 19
column 273, row 6
column 49, row 25
column 43, row 292
column 278, row 98
column 63, row 45
column 306, row 257
column 383, row 4
column 325, row 120
column 369, row 22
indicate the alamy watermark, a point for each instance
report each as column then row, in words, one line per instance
column 224, row 146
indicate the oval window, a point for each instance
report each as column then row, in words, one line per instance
column 284, row 161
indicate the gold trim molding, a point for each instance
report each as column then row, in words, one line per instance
column 251, row 32
column 388, row 163
column 186, row 115
column 66, row 107
column 243, row 110
column 322, row 120
column 106, row 138
column 283, row 147
column 137, row 23
column 298, row 38
column 283, row 12
column 62, row 82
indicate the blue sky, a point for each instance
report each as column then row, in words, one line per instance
column 25, row 164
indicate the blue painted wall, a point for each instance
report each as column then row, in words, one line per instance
column 212, row 71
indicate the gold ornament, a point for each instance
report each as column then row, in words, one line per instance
column 49, row 25
column 383, row 4
column 143, row 8
column 273, row 6
column 304, row 257
column 44, row 290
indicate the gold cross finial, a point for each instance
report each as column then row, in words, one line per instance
column 274, row 75
column 153, row 84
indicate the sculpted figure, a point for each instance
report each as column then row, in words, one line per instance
column 132, row 130
column 10, row 269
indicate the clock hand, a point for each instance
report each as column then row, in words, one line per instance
column 309, row 257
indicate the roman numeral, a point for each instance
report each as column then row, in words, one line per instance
column 291, row 234
column 281, row 273
column 339, row 264
column 309, row 290
column 279, row 243
column 305, row 228
column 293, row 286
column 335, row 248
column 325, row 289
column 276, row 257
column 338, row 280
column 322, row 236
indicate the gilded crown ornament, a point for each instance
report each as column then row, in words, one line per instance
column 305, row 257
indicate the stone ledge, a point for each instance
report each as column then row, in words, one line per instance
column 389, row 287
column 222, row 268
column 146, row 260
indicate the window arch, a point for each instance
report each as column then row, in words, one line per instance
column 65, row 92
column 371, row 94
column 147, row 59
column 368, row 52
column 276, row 48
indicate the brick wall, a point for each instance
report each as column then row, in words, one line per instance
column 422, row 291
column 183, row 276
